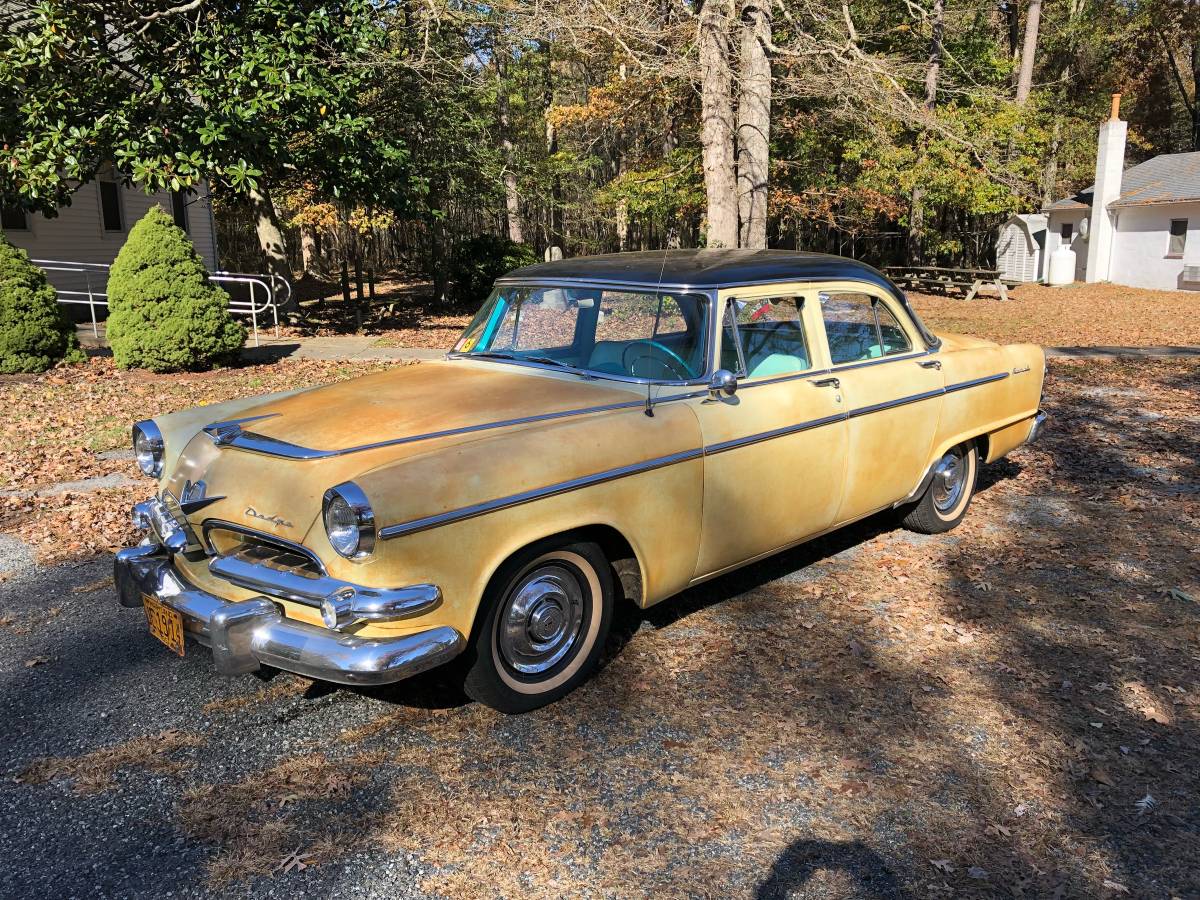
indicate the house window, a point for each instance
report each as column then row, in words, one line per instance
column 1177, row 238
column 110, row 206
column 13, row 218
column 179, row 209
column 1068, row 232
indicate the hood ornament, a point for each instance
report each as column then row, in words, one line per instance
column 274, row 520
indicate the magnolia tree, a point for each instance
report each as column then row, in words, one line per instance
column 244, row 94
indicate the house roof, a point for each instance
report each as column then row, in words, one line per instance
column 1170, row 178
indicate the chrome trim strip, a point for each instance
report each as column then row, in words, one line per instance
column 846, row 367
column 562, row 487
column 735, row 443
column 975, row 382
column 374, row 603
column 257, row 443
column 891, row 404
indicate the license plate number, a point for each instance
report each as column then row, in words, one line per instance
column 165, row 624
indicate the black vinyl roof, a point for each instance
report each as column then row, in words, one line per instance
column 704, row 268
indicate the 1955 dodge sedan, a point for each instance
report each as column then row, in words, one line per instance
column 607, row 428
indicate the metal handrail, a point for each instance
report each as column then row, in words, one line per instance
column 269, row 285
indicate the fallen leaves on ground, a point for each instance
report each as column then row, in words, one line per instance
column 95, row 771
column 1085, row 315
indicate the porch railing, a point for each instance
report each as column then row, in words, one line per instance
column 264, row 293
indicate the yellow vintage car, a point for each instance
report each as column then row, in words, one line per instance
column 607, row 429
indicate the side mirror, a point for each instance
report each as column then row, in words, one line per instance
column 722, row 382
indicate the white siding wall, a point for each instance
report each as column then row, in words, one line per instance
column 1057, row 218
column 1140, row 248
column 77, row 234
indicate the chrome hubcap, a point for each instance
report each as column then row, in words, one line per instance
column 949, row 481
column 542, row 620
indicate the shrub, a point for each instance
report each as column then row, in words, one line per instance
column 164, row 314
column 35, row 332
column 480, row 261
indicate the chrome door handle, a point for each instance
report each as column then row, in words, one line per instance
column 827, row 382
column 929, row 364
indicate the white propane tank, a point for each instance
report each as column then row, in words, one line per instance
column 1062, row 266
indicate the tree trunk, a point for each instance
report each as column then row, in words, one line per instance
column 308, row 249
column 512, row 202
column 1033, row 17
column 270, row 233
column 754, row 124
column 916, row 207
column 554, row 221
column 1194, row 109
column 716, row 125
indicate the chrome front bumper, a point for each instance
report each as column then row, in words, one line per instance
column 251, row 633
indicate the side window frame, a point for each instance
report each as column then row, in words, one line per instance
column 876, row 296
column 795, row 293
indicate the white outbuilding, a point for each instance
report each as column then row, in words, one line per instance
column 1138, row 226
column 1021, row 247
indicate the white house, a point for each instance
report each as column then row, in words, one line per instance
column 1138, row 226
column 94, row 227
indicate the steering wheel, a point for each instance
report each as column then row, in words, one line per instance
column 673, row 361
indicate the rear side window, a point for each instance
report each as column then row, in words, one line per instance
column 859, row 328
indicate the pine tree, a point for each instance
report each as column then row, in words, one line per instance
column 164, row 314
column 34, row 331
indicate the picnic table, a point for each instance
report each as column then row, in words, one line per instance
column 944, row 279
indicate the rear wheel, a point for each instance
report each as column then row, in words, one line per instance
column 948, row 493
column 545, row 621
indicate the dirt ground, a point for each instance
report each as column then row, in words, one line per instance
column 1009, row 710
column 1075, row 315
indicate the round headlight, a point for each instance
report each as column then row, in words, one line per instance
column 349, row 521
column 148, row 448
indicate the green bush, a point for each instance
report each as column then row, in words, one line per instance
column 34, row 330
column 480, row 261
column 164, row 314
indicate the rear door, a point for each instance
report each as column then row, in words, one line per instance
column 774, row 452
column 892, row 388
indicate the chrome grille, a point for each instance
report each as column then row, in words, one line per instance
column 227, row 539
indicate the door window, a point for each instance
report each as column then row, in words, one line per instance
column 860, row 327
column 769, row 332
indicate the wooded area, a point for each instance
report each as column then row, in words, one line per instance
column 390, row 133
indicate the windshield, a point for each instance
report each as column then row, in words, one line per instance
column 603, row 331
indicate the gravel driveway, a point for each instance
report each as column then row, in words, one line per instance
column 1009, row 710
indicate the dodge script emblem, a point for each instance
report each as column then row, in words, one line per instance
column 274, row 520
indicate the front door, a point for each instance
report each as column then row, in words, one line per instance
column 774, row 452
column 893, row 396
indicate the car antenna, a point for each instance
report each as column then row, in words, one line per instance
column 649, row 410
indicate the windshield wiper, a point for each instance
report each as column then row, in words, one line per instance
column 518, row 357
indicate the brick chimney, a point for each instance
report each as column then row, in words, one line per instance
column 1110, row 165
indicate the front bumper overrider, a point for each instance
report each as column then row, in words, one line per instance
column 247, row 634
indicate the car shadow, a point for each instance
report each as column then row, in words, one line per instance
column 802, row 859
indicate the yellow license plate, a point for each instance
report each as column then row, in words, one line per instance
column 165, row 623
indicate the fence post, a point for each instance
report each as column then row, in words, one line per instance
column 91, row 303
column 345, row 282
column 253, row 313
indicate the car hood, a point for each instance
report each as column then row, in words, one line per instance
column 413, row 403
column 273, row 475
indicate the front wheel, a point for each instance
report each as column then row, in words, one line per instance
column 546, row 618
column 948, row 493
